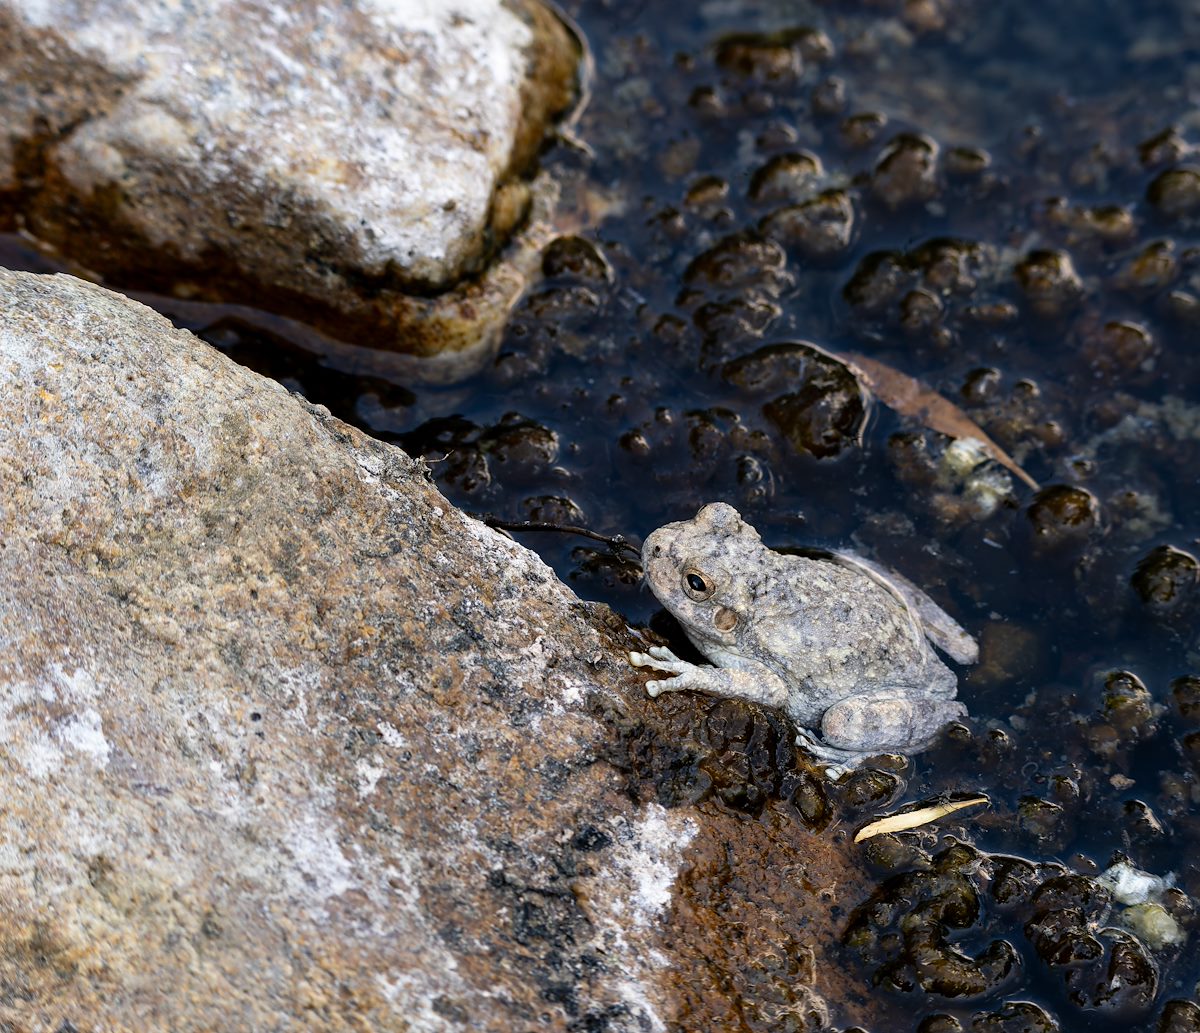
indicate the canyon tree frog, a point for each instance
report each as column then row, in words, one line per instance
column 841, row 645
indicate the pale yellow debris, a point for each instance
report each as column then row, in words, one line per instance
column 914, row 819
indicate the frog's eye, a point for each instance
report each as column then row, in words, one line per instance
column 697, row 584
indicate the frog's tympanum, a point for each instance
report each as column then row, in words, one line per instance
column 841, row 645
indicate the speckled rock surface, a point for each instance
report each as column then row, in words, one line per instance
column 288, row 742
column 347, row 160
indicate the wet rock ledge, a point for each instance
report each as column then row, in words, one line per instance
column 358, row 165
column 286, row 741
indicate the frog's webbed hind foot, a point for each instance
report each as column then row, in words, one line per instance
column 839, row 761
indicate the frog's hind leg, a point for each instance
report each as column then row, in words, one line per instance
column 887, row 721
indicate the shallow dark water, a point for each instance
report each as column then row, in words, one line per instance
column 1022, row 232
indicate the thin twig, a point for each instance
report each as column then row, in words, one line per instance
column 615, row 542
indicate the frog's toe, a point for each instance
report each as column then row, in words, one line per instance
column 660, row 685
column 837, row 761
column 806, row 739
column 659, row 659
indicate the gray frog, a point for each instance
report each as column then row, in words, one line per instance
column 839, row 644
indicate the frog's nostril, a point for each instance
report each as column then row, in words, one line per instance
column 656, row 551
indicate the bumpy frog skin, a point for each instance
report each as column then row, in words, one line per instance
column 839, row 644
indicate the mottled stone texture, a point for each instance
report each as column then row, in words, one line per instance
column 286, row 741
column 351, row 162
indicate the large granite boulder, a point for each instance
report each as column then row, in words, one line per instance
column 360, row 163
column 288, row 742
column 285, row 737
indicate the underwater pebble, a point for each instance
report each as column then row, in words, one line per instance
column 1176, row 192
column 1163, row 148
column 1128, row 705
column 577, row 258
column 967, row 162
column 554, row 509
column 906, row 171
column 1063, row 515
column 1016, row 1017
column 1179, row 1016
column 940, row 1024
column 1049, row 282
column 520, row 449
column 820, row 228
column 786, row 177
column 822, row 412
column 861, row 130
column 738, row 261
column 1166, row 580
column 1118, row 349
column 829, row 97
column 1153, row 925
column 762, row 57
column 1185, row 694
column 1152, row 269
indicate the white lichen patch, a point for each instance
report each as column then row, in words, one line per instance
column 39, row 754
column 628, row 896
column 647, row 858
column 318, row 870
column 391, row 736
column 412, row 994
column 51, row 717
column 296, row 688
column 412, row 990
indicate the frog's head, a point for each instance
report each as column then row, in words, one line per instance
column 697, row 568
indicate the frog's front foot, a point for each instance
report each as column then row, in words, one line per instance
column 660, row 658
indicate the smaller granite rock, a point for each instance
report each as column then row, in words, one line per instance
column 358, row 163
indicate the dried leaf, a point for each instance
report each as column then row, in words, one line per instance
column 915, row 819
column 913, row 399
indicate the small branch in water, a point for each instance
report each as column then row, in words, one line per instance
column 615, row 542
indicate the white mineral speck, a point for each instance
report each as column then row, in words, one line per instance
column 85, row 733
column 368, row 777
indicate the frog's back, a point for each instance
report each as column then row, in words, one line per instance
column 831, row 631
